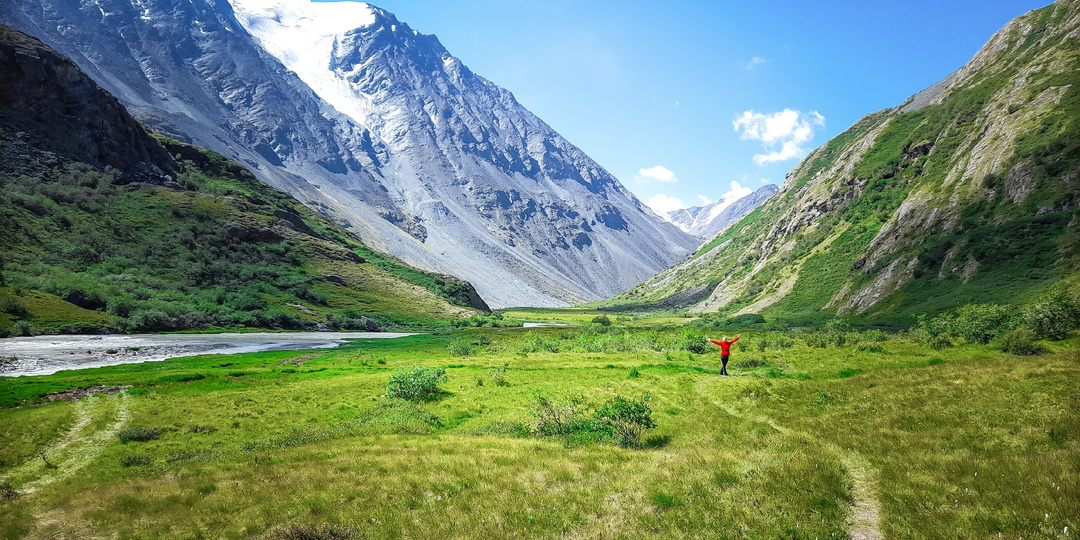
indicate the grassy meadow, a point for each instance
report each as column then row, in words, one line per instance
column 878, row 436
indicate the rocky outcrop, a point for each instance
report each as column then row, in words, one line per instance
column 47, row 94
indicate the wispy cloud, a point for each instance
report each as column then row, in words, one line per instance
column 788, row 129
column 658, row 173
column 755, row 61
column 704, row 200
column 662, row 204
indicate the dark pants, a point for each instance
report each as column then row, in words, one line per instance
column 724, row 359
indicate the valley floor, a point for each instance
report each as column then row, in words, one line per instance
column 882, row 440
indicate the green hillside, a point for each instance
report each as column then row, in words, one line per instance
column 105, row 226
column 224, row 250
column 966, row 193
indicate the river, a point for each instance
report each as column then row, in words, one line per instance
column 45, row 355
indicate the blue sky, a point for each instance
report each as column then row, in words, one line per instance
column 679, row 99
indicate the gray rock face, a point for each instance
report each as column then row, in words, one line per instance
column 45, row 93
column 707, row 221
column 418, row 156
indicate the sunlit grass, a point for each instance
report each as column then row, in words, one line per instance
column 265, row 440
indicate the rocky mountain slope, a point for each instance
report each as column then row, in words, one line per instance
column 104, row 225
column 968, row 192
column 708, row 221
column 377, row 126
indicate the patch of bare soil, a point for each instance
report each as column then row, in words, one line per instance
column 79, row 393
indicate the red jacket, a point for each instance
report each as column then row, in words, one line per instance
column 725, row 346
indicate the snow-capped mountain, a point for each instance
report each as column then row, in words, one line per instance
column 708, row 221
column 377, row 125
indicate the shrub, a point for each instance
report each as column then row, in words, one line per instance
column 459, row 347
column 874, row 335
column 1020, row 341
column 934, row 333
column 695, row 342
column 555, row 416
column 783, row 342
column 981, row 323
column 627, row 418
column 415, row 383
column 132, row 461
column 140, row 434
column 601, row 320
column 816, row 339
column 7, row 492
column 23, row 328
column 1054, row 315
column 837, row 331
column 13, row 305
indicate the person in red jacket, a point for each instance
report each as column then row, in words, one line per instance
column 725, row 352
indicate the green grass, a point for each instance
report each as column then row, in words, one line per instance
column 780, row 449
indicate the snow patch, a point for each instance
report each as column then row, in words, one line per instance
column 302, row 36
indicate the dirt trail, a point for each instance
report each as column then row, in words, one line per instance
column 864, row 514
column 78, row 446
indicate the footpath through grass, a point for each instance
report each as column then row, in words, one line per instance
column 801, row 442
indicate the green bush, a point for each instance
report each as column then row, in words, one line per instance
column 628, row 418
column 7, row 492
column 928, row 338
column 552, row 416
column 981, row 323
column 602, row 320
column 23, row 328
column 837, row 332
column 415, row 383
column 695, row 342
column 133, row 461
column 13, row 305
column 459, row 347
column 1054, row 315
column 139, row 434
column 874, row 335
column 1020, row 341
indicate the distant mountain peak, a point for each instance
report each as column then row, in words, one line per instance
column 379, row 126
column 709, row 220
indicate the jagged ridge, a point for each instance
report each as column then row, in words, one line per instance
column 424, row 160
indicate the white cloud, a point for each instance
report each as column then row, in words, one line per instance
column 658, row 173
column 789, row 129
column 704, row 200
column 676, row 105
column 737, row 192
column 755, row 61
column 662, row 204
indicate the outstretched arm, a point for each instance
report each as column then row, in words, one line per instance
column 736, row 338
column 714, row 341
